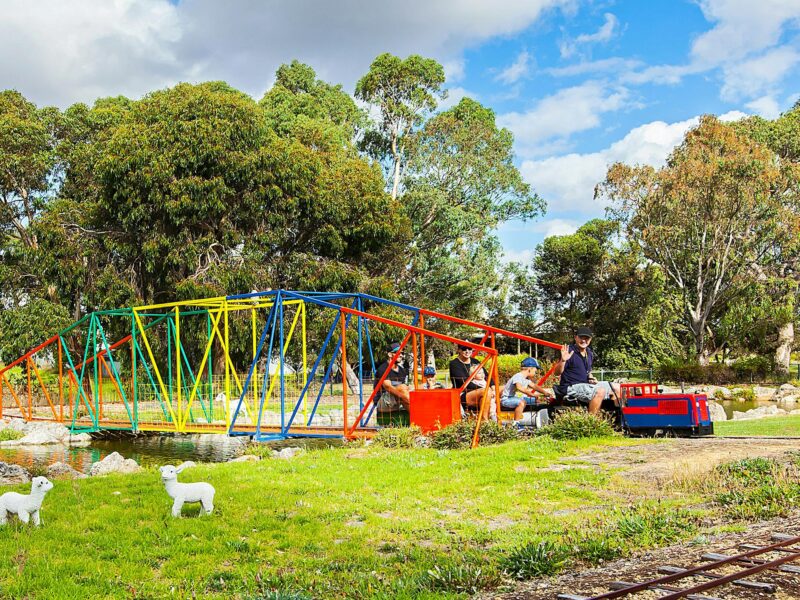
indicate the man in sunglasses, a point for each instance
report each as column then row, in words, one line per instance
column 461, row 367
column 395, row 394
column 575, row 368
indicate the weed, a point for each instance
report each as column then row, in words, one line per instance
column 7, row 435
column 460, row 579
column 280, row 595
column 535, row 559
column 577, row 424
column 397, row 437
column 749, row 470
column 459, row 435
column 719, row 395
column 600, row 548
column 745, row 394
column 259, row 449
column 646, row 525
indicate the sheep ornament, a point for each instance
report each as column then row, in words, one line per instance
column 186, row 492
column 25, row 506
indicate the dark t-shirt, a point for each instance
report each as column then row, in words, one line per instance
column 459, row 373
column 399, row 374
column 576, row 369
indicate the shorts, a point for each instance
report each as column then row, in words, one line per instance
column 584, row 392
column 513, row 402
column 387, row 402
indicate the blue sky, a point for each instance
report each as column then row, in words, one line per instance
column 580, row 83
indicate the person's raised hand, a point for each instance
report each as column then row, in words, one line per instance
column 566, row 353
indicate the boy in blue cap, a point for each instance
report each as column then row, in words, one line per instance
column 521, row 390
column 430, row 379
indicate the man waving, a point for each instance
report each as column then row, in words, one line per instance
column 575, row 369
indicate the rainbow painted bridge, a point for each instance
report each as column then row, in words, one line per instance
column 236, row 365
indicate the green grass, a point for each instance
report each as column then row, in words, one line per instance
column 344, row 522
column 788, row 426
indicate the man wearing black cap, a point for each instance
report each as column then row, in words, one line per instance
column 395, row 394
column 575, row 369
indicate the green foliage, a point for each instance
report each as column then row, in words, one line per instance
column 757, row 488
column 459, row 435
column 397, row 437
column 466, row 578
column 745, row 394
column 26, row 326
column 576, row 424
column 754, row 368
column 535, row 559
column 7, row 435
column 693, row 372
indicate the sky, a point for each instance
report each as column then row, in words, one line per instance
column 580, row 83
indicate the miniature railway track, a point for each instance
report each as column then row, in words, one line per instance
column 679, row 582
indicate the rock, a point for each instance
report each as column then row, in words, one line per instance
column 290, row 452
column 114, row 463
column 37, row 437
column 712, row 391
column 790, row 399
column 788, row 387
column 762, row 392
column 12, row 474
column 716, row 412
column 422, row 441
column 245, row 458
column 758, row 413
column 79, row 439
column 62, row 470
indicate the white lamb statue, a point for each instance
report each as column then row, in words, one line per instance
column 26, row 507
column 186, row 492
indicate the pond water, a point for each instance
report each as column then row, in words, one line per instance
column 146, row 450
column 744, row 406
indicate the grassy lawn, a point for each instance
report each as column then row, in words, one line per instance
column 342, row 522
column 788, row 426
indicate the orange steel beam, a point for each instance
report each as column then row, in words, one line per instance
column 28, row 354
column 44, row 390
column 13, row 393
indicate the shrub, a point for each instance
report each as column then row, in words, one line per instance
column 10, row 434
column 745, row 394
column 753, row 368
column 535, row 559
column 397, row 437
column 692, row 372
column 460, row 579
column 576, row 424
column 459, row 434
column 259, row 449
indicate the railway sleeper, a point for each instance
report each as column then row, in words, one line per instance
column 770, row 588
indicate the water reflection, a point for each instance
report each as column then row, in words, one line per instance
column 745, row 405
column 146, row 450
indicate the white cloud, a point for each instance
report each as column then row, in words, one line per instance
column 550, row 227
column 615, row 65
column 517, row 70
column 454, row 96
column 567, row 182
column 745, row 43
column 766, row 106
column 524, row 256
column 85, row 48
column 604, row 34
column 732, row 115
column 758, row 75
column 454, row 70
column 566, row 112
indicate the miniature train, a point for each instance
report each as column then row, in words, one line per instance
column 645, row 411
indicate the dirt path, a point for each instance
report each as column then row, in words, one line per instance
column 658, row 464
column 664, row 460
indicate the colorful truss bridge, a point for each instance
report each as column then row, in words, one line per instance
column 237, row 365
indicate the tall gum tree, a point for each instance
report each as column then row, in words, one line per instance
column 404, row 91
column 715, row 210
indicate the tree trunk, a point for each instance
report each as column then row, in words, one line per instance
column 783, row 353
column 697, row 327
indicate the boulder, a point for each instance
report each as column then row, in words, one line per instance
column 290, row 452
column 758, row 413
column 716, row 412
column 712, row 391
column 245, row 458
column 764, row 393
column 114, row 463
column 13, row 474
column 37, row 437
column 62, row 470
column 79, row 439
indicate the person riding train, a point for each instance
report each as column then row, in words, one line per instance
column 575, row 368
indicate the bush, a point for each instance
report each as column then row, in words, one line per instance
column 754, row 368
column 397, row 437
column 7, row 435
column 460, row 579
column 576, row 424
column 459, row 435
column 509, row 364
column 535, row 559
column 745, row 394
column 677, row 372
